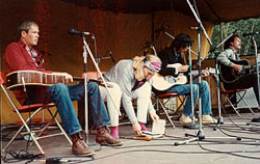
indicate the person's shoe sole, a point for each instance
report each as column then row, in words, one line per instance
column 91, row 154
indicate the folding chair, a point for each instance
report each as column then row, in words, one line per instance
column 33, row 110
column 162, row 104
column 239, row 93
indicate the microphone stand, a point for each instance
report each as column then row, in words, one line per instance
column 192, row 126
column 217, row 72
column 85, row 70
column 168, row 34
column 200, row 134
column 257, row 65
column 88, row 51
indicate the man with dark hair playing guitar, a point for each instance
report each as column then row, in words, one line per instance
column 236, row 73
column 170, row 57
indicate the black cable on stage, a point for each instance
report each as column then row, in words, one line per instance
column 243, row 128
column 209, row 151
column 58, row 160
column 235, row 136
column 233, row 153
column 20, row 156
column 239, row 131
column 148, row 150
column 229, row 142
column 163, row 151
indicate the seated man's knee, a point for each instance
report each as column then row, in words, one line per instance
column 92, row 87
column 204, row 84
column 195, row 88
column 60, row 88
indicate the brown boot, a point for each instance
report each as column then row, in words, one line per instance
column 104, row 138
column 79, row 146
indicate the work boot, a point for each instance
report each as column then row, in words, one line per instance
column 79, row 146
column 104, row 138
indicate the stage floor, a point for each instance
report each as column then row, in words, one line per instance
column 163, row 150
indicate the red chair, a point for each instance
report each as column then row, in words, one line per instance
column 33, row 110
column 162, row 104
column 240, row 93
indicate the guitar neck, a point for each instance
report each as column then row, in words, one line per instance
column 82, row 79
column 33, row 77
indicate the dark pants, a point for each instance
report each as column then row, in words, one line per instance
column 245, row 82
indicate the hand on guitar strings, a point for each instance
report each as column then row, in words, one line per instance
column 183, row 68
column 205, row 72
column 238, row 68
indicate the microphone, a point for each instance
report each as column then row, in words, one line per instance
column 73, row 31
column 194, row 27
column 251, row 33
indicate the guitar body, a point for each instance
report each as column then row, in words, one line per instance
column 162, row 83
column 33, row 77
column 229, row 75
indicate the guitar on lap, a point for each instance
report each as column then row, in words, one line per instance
column 229, row 75
column 38, row 78
column 162, row 83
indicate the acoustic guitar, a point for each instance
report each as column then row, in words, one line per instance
column 162, row 83
column 34, row 77
column 229, row 75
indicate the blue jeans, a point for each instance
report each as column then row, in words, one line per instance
column 201, row 90
column 63, row 95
